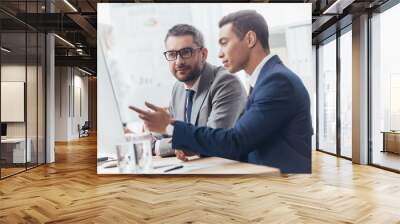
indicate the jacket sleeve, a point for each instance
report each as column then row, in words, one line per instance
column 271, row 106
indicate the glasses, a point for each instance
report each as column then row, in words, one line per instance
column 184, row 53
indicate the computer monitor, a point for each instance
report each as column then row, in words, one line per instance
column 3, row 129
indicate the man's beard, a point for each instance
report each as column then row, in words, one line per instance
column 193, row 75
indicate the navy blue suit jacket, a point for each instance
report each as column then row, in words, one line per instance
column 275, row 130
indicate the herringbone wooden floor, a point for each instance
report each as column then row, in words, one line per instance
column 70, row 191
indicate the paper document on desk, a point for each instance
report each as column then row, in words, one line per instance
column 194, row 163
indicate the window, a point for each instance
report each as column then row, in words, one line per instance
column 385, row 89
column 22, row 68
column 346, row 94
column 327, row 97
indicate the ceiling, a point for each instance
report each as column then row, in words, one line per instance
column 76, row 22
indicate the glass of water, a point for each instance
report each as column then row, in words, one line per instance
column 141, row 149
column 125, row 158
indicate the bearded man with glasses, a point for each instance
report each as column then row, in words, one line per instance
column 204, row 94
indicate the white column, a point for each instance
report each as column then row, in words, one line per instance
column 360, row 90
column 50, row 99
column 63, row 101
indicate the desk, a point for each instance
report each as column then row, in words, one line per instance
column 208, row 165
column 15, row 148
column 391, row 141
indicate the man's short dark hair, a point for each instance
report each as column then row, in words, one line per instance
column 245, row 20
column 185, row 29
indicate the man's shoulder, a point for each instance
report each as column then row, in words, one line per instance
column 177, row 84
column 221, row 75
column 282, row 80
column 177, row 88
column 220, row 70
column 278, row 70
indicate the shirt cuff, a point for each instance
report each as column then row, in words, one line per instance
column 169, row 130
column 157, row 148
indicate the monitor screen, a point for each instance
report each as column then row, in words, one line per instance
column 3, row 129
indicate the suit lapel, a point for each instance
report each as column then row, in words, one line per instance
column 180, row 97
column 206, row 78
column 264, row 72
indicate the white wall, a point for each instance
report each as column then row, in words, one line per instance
column 12, row 73
column 300, row 60
column 80, row 103
column 313, row 96
column 33, row 126
column 61, row 103
column 71, row 96
column 109, row 126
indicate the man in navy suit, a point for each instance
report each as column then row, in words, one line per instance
column 275, row 130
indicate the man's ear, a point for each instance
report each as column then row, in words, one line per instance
column 204, row 53
column 251, row 39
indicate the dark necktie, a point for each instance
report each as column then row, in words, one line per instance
column 189, row 104
column 250, row 91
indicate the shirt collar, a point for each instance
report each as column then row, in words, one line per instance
column 254, row 76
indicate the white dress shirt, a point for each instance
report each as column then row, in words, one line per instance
column 254, row 76
column 170, row 129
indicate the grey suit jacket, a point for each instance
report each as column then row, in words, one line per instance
column 218, row 102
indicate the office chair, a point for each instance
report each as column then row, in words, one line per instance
column 84, row 130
